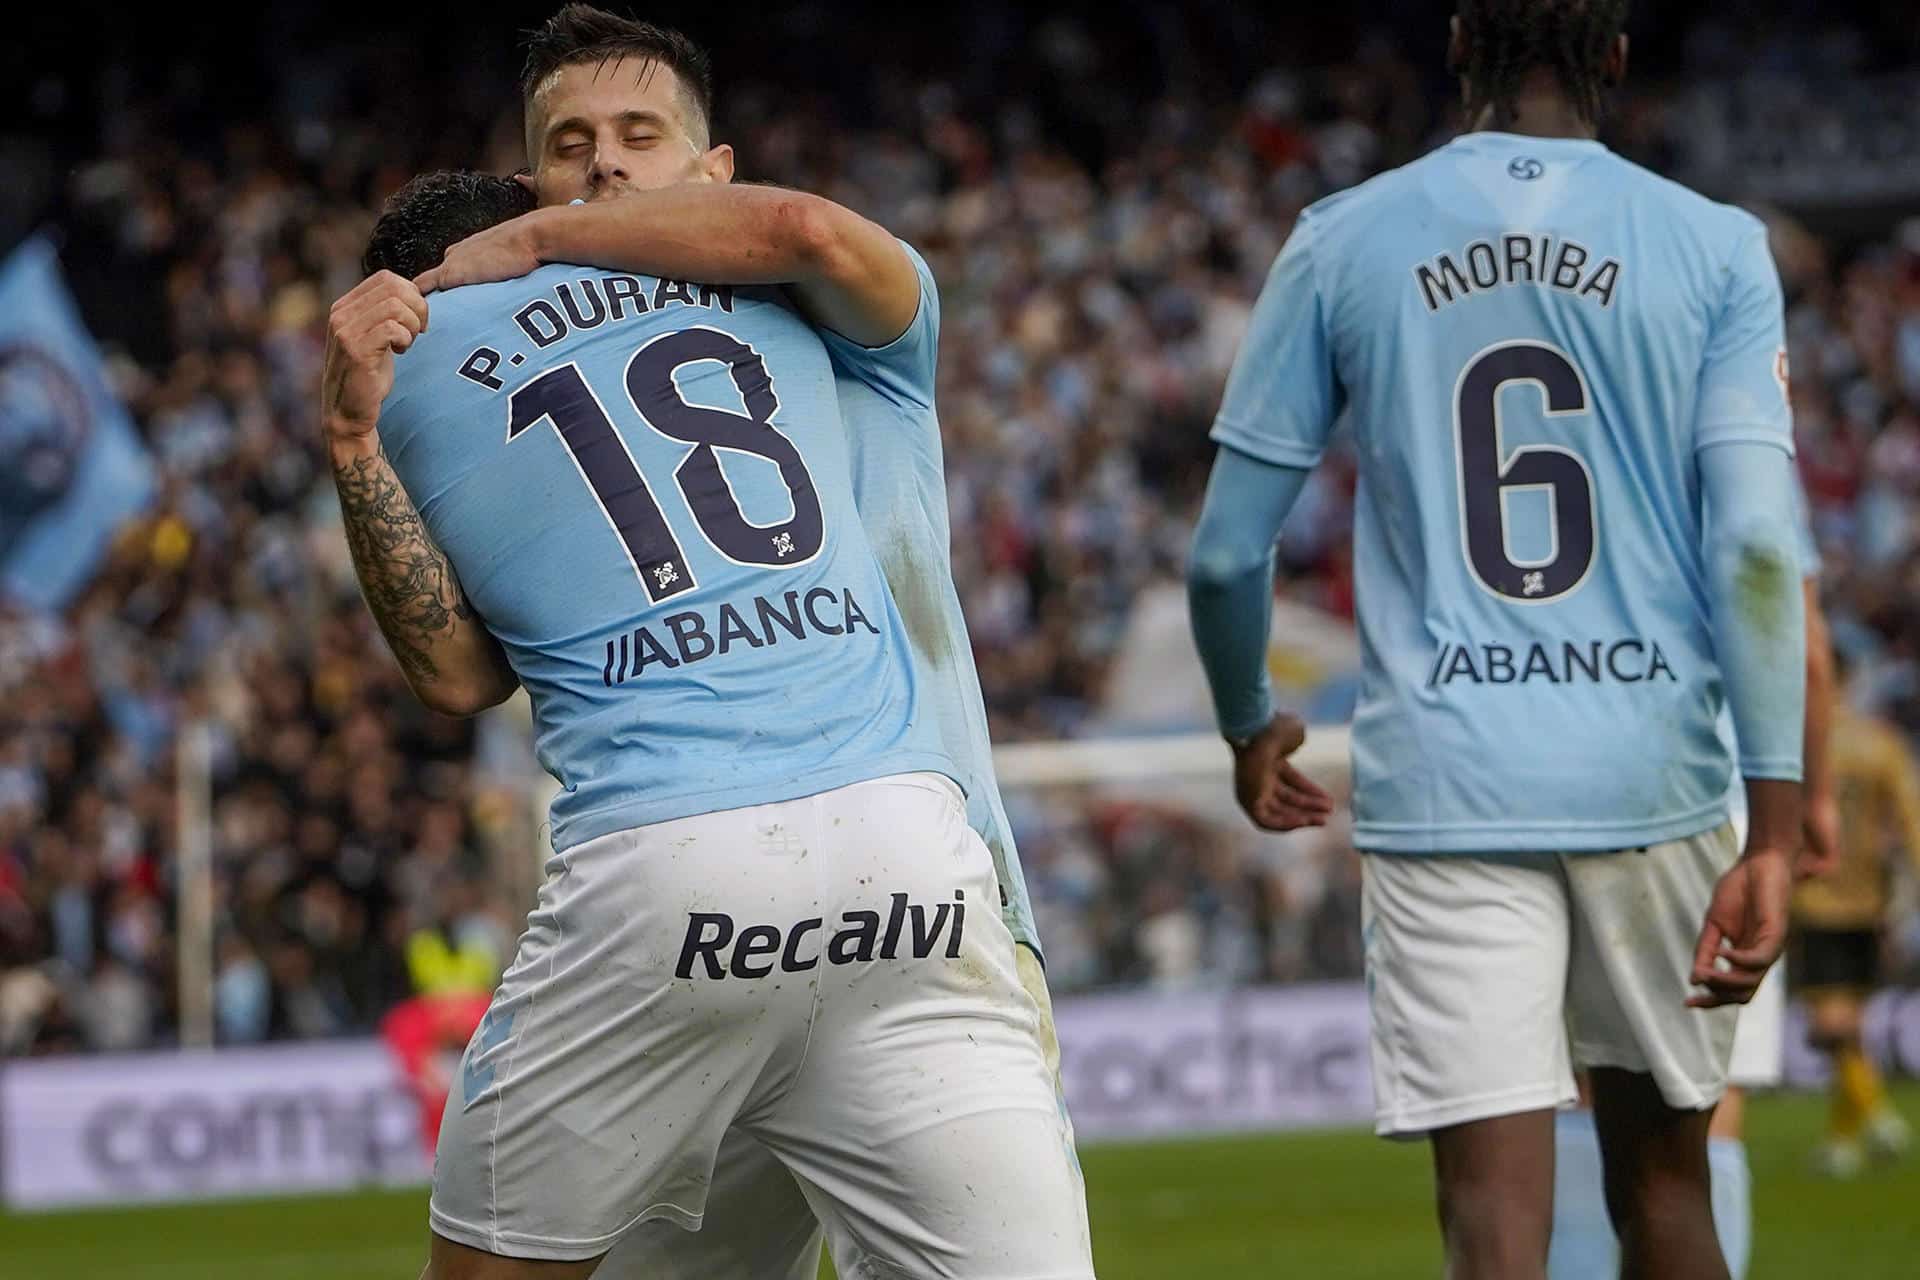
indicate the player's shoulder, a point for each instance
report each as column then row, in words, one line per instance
column 927, row 319
column 485, row 298
column 917, row 258
column 1353, row 224
column 1334, row 219
column 1681, row 206
column 463, row 311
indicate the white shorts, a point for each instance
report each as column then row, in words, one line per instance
column 1760, row 1039
column 826, row 981
column 759, row 1224
column 1491, row 979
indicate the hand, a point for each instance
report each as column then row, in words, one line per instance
column 502, row 252
column 1746, row 927
column 382, row 314
column 1277, row 796
column 1821, row 850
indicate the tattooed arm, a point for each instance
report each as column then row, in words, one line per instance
column 446, row 653
column 450, row 659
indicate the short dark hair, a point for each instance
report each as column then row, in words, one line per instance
column 434, row 212
column 1507, row 38
column 580, row 33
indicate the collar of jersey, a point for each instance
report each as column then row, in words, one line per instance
column 1528, row 141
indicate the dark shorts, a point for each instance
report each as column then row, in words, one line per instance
column 1836, row 958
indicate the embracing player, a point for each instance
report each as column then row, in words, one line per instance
column 879, row 1073
column 1574, row 539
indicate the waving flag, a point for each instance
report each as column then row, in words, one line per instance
column 72, row 467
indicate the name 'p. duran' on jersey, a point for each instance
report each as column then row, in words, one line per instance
column 572, row 306
column 1565, row 266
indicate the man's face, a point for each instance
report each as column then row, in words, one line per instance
column 601, row 131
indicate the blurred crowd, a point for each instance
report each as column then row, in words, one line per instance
column 1094, row 290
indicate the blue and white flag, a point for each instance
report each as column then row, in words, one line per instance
column 72, row 467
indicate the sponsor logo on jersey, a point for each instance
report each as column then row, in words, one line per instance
column 693, row 636
column 719, row 948
column 1626, row 661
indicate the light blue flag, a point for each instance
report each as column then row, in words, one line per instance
column 72, row 467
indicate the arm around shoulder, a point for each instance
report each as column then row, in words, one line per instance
column 858, row 280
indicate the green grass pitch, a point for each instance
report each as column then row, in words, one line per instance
column 1341, row 1205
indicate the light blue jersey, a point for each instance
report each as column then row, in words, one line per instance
column 900, row 484
column 644, row 488
column 1808, row 548
column 1532, row 339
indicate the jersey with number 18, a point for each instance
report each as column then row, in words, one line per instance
column 1532, row 339
column 644, row 487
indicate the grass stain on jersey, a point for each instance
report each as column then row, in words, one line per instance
column 1763, row 585
column 912, row 584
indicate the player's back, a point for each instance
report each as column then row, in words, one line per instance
column 644, row 487
column 1518, row 329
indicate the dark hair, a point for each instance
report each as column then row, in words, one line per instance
column 581, row 33
column 1507, row 38
column 435, row 211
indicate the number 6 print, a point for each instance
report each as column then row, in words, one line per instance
column 1487, row 473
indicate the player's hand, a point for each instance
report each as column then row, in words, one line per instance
column 1820, row 852
column 1745, row 928
column 1277, row 796
column 382, row 315
column 503, row 252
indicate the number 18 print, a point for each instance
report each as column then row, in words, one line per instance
column 561, row 396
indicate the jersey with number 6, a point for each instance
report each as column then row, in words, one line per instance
column 1532, row 340
column 645, row 490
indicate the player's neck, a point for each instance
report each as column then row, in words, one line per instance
column 1538, row 110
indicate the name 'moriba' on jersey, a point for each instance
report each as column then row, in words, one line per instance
column 644, row 487
column 1532, row 339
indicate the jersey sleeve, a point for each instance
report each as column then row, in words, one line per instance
column 903, row 370
column 1743, row 379
column 1808, row 545
column 1230, row 583
column 1283, row 396
column 1756, row 604
column 408, row 439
